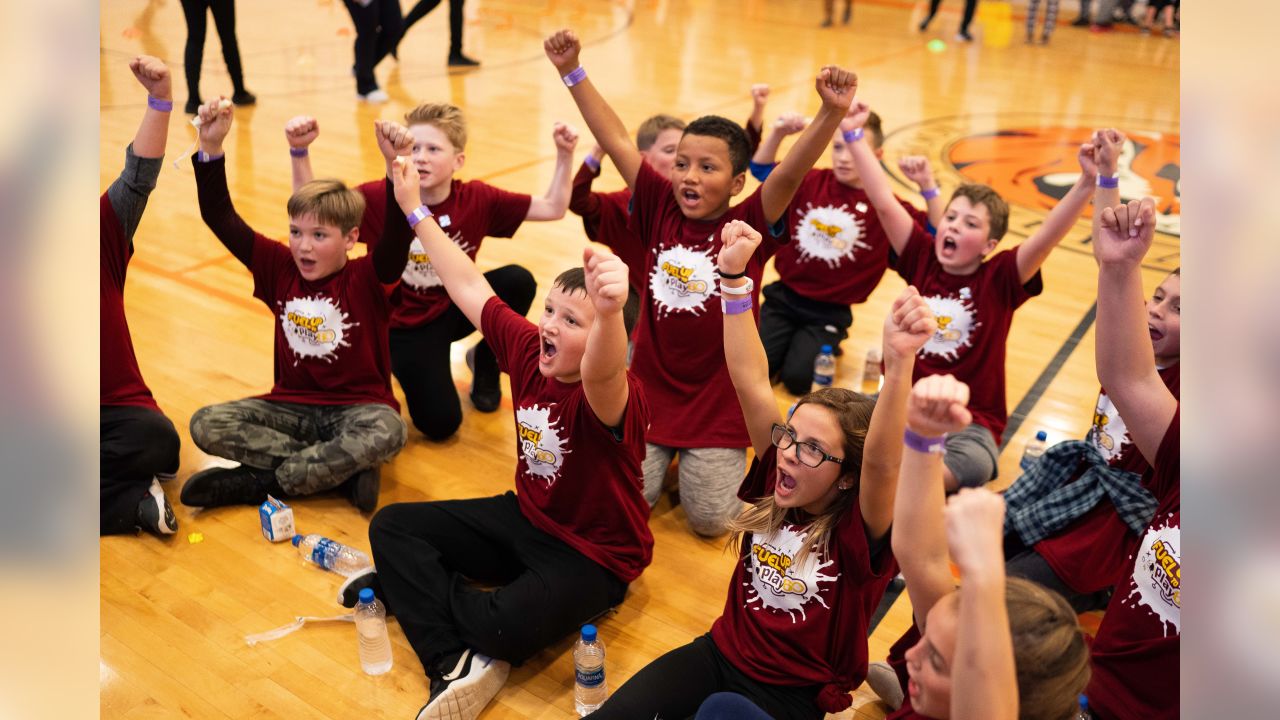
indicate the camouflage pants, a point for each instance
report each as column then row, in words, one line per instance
column 311, row 447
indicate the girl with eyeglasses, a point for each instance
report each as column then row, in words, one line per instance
column 813, row 542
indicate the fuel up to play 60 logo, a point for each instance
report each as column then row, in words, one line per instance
column 777, row 581
column 314, row 327
column 541, row 447
column 681, row 280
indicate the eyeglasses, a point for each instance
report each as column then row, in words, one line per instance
column 808, row 453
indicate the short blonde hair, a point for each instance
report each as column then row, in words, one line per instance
column 444, row 117
column 651, row 128
column 330, row 202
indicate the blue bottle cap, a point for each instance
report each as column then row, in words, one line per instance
column 588, row 633
column 366, row 595
column 1042, row 435
column 826, row 349
column 297, row 539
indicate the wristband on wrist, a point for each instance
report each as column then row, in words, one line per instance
column 417, row 216
column 736, row 306
column 574, row 77
column 298, row 152
column 1110, row 182
column 730, row 276
column 931, row 193
column 203, row 156
column 156, row 103
column 920, row 443
column 591, row 162
column 854, row 135
column 747, row 289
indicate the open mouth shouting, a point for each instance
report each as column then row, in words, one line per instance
column 689, row 198
column 948, row 246
column 786, row 485
column 548, row 350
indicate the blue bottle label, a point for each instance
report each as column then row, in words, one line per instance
column 823, row 380
column 320, row 554
column 590, row 678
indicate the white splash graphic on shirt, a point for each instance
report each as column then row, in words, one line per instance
column 419, row 273
column 830, row 234
column 777, row 582
column 314, row 327
column 1109, row 434
column 682, row 279
column 955, row 327
column 1157, row 575
column 541, row 447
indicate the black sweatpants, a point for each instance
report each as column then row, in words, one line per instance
column 420, row 355
column 1030, row 565
column 377, row 32
column 969, row 7
column 675, row 685
column 793, row 328
column 224, row 19
column 136, row 444
column 426, row 554
column 423, row 7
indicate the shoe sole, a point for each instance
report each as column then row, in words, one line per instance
column 466, row 697
column 164, row 511
column 883, row 681
column 342, row 589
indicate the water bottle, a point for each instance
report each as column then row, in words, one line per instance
column 371, row 627
column 824, row 369
column 871, row 372
column 589, row 689
column 331, row 554
column 1034, row 449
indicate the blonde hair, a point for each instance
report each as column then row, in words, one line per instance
column 853, row 411
column 330, row 202
column 650, row 129
column 1049, row 651
column 444, row 117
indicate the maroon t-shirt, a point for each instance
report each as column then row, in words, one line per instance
column 605, row 219
column 473, row 211
column 331, row 345
column 575, row 479
column 1090, row 554
column 679, row 341
column 838, row 250
column 802, row 624
column 1135, row 654
column 974, row 313
column 120, row 378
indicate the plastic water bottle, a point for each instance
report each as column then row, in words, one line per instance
column 871, row 372
column 1034, row 449
column 371, row 627
column 824, row 369
column 331, row 554
column 589, row 689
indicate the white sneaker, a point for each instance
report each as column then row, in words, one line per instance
column 464, row 692
column 374, row 96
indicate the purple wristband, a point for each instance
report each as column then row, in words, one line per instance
column 920, row 443
column 158, row 104
column 591, row 162
column 575, row 77
column 298, row 152
column 735, row 306
column 1110, row 182
column 931, row 193
column 417, row 216
column 204, row 157
column 854, row 135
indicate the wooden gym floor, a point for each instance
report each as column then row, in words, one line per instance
column 174, row 612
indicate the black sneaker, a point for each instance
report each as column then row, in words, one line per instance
column 464, row 692
column 193, row 106
column 362, row 488
column 216, row 487
column 155, row 514
column 349, row 592
column 244, row 97
column 458, row 60
column 924, row 25
column 1081, row 21
column 964, row 36
column 486, row 390
column 848, row 13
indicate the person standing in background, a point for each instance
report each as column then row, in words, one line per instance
column 420, row 10
column 224, row 19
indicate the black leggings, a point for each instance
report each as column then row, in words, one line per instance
column 423, row 7
column 969, row 7
column 426, row 552
column 675, row 685
column 135, row 445
column 224, row 19
column 793, row 329
column 420, row 355
column 377, row 32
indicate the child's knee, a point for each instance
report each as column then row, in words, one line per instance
column 798, row 380
column 438, row 425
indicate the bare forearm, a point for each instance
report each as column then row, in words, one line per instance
column 767, row 153
column 985, row 682
column 302, row 173
column 153, row 133
column 749, row 371
column 919, row 532
column 606, row 355
column 552, row 205
column 462, row 279
column 894, row 218
column 608, row 129
column 1036, row 249
column 882, row 455
column 781, row 185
